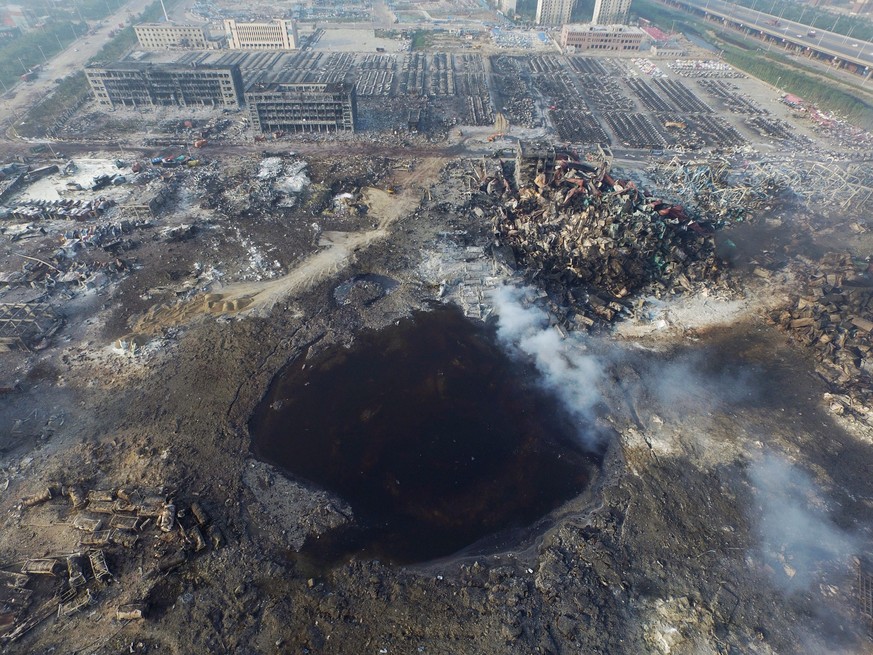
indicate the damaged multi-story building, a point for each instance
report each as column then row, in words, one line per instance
column 145, row 84
column 278, row 106
column 170, row 36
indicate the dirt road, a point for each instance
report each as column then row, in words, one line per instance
column 65, row 63
column 337, row 250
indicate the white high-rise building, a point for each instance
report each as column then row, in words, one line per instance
column 508, row 7
column 610, row 12
column 554, row 12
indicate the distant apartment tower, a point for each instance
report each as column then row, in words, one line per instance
column 279, row 34
column 327, row 107
column 167, row 36
column 610, row 12
column 508, row 7
column 554, row 12
column 142, row 84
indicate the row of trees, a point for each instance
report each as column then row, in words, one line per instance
column 70, row 91
column 776, row 70
column 854, row 26
column 30, row 49
column 81, row 10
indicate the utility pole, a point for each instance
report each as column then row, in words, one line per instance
column 78, row 11
column 42, row 53
column 166, row 18
column 846, row 38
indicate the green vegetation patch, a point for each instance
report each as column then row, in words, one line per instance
column 31, row 49
column 73, row 90
column 79, row 9
column 420, row 40
column 808, row 86
column 67, row 95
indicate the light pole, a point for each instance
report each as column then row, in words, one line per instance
column 42, row 53
column 78, row 11
column 846, row 38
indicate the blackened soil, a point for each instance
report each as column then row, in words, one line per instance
column 432, row 434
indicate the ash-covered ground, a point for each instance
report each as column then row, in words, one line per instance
column 731, row 492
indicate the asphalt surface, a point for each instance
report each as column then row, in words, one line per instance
column 847, row 48
column 25, row 94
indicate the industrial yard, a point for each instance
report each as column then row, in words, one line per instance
column 454, row 343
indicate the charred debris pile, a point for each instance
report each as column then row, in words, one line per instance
column 833, row 316
column 593, row 241
column 115, row 546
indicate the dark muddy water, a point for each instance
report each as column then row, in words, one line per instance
column 430, row 432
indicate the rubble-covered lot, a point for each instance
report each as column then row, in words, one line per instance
column 692, row 105
column 731, row 500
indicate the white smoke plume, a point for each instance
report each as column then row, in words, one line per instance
column 798, row 539
column 576, row 369
column 568, row 370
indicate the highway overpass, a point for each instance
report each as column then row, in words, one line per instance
column 845, row 51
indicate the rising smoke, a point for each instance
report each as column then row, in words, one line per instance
column 581, row 371
column 568, row 370
column 797, row 538
column 793, row 534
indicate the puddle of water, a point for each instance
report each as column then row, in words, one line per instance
column 432, row 434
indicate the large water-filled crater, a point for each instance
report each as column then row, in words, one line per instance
column 432, row 433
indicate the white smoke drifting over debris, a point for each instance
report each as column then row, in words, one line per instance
column 797, row 538
column 575, row 369
column 567, row 369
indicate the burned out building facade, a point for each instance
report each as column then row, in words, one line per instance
column 170, row 36
column 278, row 106
column 139, row 84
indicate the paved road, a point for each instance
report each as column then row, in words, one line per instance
column 847, row 48
column 65, row 63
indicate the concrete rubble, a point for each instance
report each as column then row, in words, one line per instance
column 214, row 257
column 593, row 241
